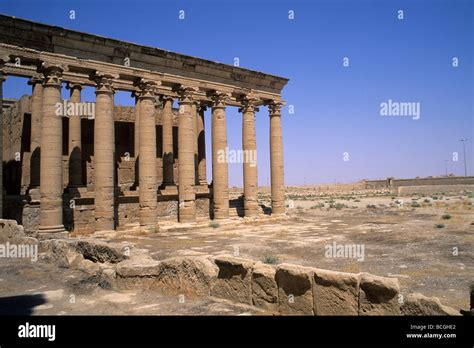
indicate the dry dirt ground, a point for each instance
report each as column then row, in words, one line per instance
column 426, row 242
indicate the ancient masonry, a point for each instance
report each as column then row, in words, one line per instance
column 164, row 147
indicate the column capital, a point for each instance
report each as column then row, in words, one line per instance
column 74, row 85
column 274, row 107
column 249, row 104
column 186, row 93
column 219, row 99
column 146, row 88
column 35, row 80
column 104, row 81
column 202, row 106
column 164, row 98
column 52, row 72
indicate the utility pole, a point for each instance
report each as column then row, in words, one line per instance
column 464, row 154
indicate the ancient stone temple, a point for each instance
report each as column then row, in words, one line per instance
column 71, row 166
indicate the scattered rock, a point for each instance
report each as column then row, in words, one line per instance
column 10, row 231
column 89, row 267
column 100, row 251
column 418, row 304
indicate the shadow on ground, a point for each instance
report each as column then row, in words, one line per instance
column 20, row 305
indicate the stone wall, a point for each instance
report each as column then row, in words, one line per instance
column 15, row 156
column 22, row 204
column 282, row 290
column 433, row 189
column 391, row 183
column 453, row 180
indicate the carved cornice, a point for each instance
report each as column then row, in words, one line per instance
column 104, row 81
column 219, row 99
column 52, row 73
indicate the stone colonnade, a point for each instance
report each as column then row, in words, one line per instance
column 46, row 139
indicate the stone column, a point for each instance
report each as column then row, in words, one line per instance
column 36, row 109
column 276, row 159
column 137, row 126
column 186, row 140
column 167, row 138
column 201, row 146
column 104, row 153
column 194, row 108
column 147, row 149
column 51, row 161
column 249, row 146
column 220, row 176
column 75, row 144
column 4, row 58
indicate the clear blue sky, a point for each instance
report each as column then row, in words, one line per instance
column 336, row 108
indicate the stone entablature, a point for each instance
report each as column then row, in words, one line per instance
column 93, row 52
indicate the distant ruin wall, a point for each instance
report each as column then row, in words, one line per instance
column 433, row 189
column 391, row 183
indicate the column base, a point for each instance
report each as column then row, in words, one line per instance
column 278, row 211
column 169, row 189
column 52, row 232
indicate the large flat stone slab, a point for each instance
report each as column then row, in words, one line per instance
column 187, row 275
column 233, row 280
column 264, row 287
column 335, row 293
column 378, row 295
column 295, row 294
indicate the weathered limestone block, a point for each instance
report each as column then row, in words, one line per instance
column 10, row 231
column 89, row 267
column 59, row 251
column 233, row 279
column 335, row 293
column 108, row 278
column 187, row 275
column 69, row 252
column 101, row 251
column 295, row 294
column 378, row 295
column 418, row 304
column 264, row 287
column 137, row 268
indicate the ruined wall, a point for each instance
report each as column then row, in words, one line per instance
column 16, row 133
column 395, row 183
column 455, row 180
column 17, row 138
column 433, row 189
column 25, row 208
